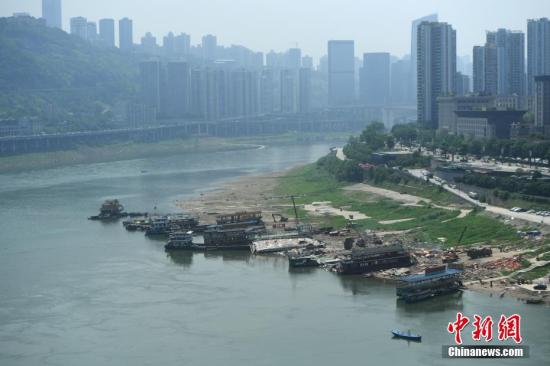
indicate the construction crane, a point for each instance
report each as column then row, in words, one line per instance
column 462, row 235
column 293, row 198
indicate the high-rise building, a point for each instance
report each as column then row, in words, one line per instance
column 341, row 73
column 479, row 69
column 197, row 95
column 502, row 61
column 490, row 80
column 304, row 95
column 107, row 32
column 91, row 32
column 267, row 91
column 168, row 44
column 374, row 79
column 414, row 48
column 149, row 43
column 182, row 44
column 400, row 80
column 289, row 91
column 177, row 89
column 538, row 50
column 462, row 83
column 150, row 80
column 542, row 104
column 79, row 27
column 209, row 47
column 293, row 58
column 275, row 60
column 125, row 34
column 307, row 61
column 51, row 12
column 436, row 69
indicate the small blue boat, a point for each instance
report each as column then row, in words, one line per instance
column 406, row 335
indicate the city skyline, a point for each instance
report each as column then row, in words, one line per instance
column 346, row 20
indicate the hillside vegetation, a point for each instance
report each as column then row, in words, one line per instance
column 68, row 83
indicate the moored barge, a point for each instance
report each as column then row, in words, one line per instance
column 182, row 241
column 241, row 219
column 365, row 260
column 433, row 282
column 218, row 238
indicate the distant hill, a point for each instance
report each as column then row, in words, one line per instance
column 65, row 81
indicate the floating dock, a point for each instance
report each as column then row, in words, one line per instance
column 283, row 244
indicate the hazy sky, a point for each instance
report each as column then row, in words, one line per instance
column 263, row 25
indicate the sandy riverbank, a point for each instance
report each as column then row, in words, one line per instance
column 247, row 193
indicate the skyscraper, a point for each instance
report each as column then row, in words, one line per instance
column 91, row 32
column 150, row 82
column 209, row 47
column 267, row 91
column 177, row 89
column 182, row 44
column 149, row 43
column 538, row 50
column 504, row 63
column 107, row 32
column 400, row 81
column 414, row 48
column 479, row 69
column 79, row 27
column 293, row 58
column 307, row 61
column 542, row 104
column 436, row 68
column 490, row 80
column 374, row 79
column 289, row 90
column 168, row 44
column 51, row 12
column 462, row 84
column 125, row 34
column 304, row 95
column 341, row 73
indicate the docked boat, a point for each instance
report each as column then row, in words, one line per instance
column 303, row 261
column 365, row 260
column 240, row 219
column 134, row 224
column 158, row 226
column 406, row 335
column 180, row 241
column 110, row 210
column 435, row 281
column 164, row 225
column 217, row 238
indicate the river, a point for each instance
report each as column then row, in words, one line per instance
column 79, row 292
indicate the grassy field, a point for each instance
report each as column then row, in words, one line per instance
column 536, row 273
column 310, row 184
column 416, row 187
